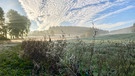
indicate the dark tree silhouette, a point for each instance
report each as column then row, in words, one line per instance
column 3, row 27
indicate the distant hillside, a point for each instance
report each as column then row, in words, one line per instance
column 129, row 36
column 123, row 31
column 78, row 31
column 69, row 30
column 37, row 33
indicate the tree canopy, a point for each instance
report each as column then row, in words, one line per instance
column 18, row 25
column 2, row 23
column 1, row 15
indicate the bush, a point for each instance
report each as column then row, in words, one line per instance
column 44, row 55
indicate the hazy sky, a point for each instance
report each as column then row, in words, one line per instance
column 106, row 14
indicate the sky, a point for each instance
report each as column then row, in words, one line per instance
column 105, row 14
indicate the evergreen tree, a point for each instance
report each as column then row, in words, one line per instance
column 3, row 27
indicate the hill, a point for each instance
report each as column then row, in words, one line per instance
column 129, row 36
column 69, row 30
column 123, row 31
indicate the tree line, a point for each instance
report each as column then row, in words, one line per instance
column 13, row 24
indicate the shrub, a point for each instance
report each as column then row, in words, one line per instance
column 44, row 55
column 109, row 58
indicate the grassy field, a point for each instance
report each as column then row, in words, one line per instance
column 110, row 55
column 11, row 64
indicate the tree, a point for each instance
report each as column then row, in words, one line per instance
column 18, row 25
column 3, row 27
column 1, row 17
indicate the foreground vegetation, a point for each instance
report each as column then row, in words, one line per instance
column 63, row 58
column 12, row 65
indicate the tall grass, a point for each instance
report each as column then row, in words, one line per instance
column 44, row 54
column 110, row 58
column 63, row 58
